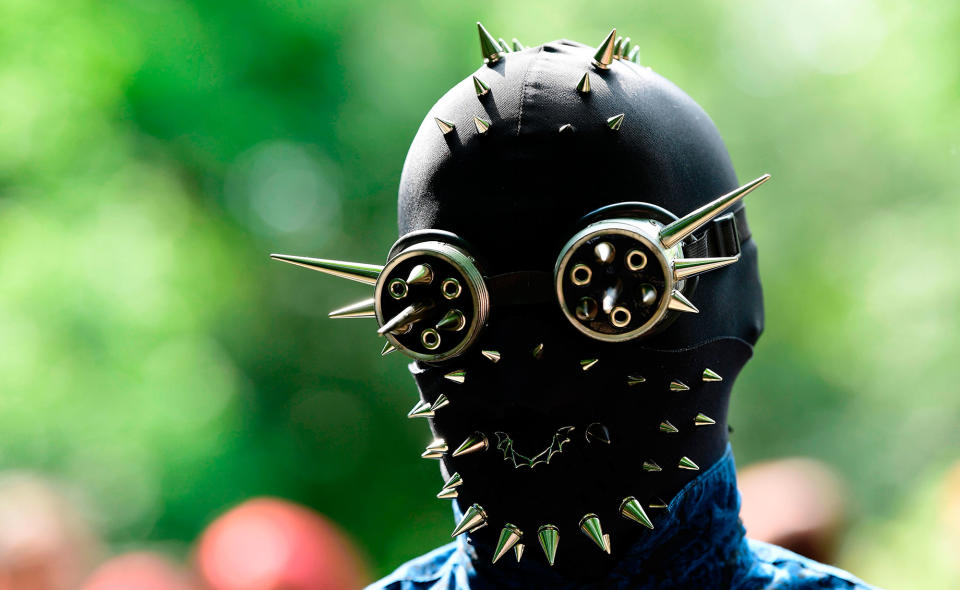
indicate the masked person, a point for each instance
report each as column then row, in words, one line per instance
column 577, row 285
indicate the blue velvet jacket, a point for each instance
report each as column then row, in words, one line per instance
column 701, row 528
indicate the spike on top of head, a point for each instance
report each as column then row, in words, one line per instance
column 489, row 46
column 604, row 55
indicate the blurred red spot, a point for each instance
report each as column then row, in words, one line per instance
column 140, row 571
column 272, row 544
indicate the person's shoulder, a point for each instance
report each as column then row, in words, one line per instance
column 421, row 572
column 780, row 568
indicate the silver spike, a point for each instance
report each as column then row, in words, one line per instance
column 447, row 493
column 481, row 125
column 457, row 376
column 549, row 537
column 668, row 428
column 624, row 48
column 678, row 386
column 709, row 376
column 407, row 317
column 444, row 125
column 584, row 86
column 517, row 45
column 453, row 320
column 586, row 309
column 510, row 535
column 491, row 355
column 474, row 443
column 615, row 122
column 567, row 128
column 388, row 347
column 421, row 410
column 489, row 48
column 634, row 54
column 420, row 274
column 474, row 518
column 680, row 303
column 658, row 504
column 687, row 463
column 435, row 450
column 675, row 232
column 354, row 271
column 648, row 294
column 441, row 402
column 703, row 420
column 604, row 252
column 604, row 55
column 504, row 46
column 651, row 466
column 538, row 351
column 587, row 364
column 635, row 379
column 361, row 309
column 610, row 296
column 454, row 481
column 685, row 268
column 480, row 87
column 597, row 432
column 590, row 525
column 631, row 508
column 616, row 47
column 518, row 551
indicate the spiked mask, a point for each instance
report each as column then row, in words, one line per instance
column 577, row 285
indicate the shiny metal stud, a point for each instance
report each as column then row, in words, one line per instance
column 635, row 379
column 710, row 376
column 580, row 275
column 590, row 526
column 518, row 551
column 435, row 450
column 453, row 321
column 636, row 260
column 648, row 294
column 658, row 504
column 620, row 317
column 615, row 122
column 630, row 508
column 410, row 315
column 444, row 125
column 421, row 410
column 634, row 54
column 549, row 537
column 537, row 351
column 688, row 464
column 604, row 251
column 354, row 271
column 651, row 467
column 616, row 47
column 567, row 128
column 610, row 296
column 675, row 232
column 517, row 45
column 685, row 268
column 441, row 402
column 454, row 481
column 475, row 443
column 450, row 288
column 679, row 386
column 587, row 364
column 680, row 303
column 448, row 493
column 504, row 46
column 624, row 48
column 703, row 420
column 360, row 309
column 430, row 339
column 587, row 309
column 583, row 87
column 668, row 428
column 474, row 518
column 604, row 55
column 457, row 376
column 489, row 48
column 480, row 87
column 597, row 432
column 510, row 535
column 398, row 288
column 481, row 125
column 492, row 355
column 388, row 348
column 421, row 274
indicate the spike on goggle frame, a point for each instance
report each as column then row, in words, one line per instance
column 616, row 279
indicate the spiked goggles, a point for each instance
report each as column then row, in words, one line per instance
column 623, row 275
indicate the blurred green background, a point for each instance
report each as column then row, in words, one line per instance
column 153, row 153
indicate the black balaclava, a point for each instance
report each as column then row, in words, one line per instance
column 540, row 427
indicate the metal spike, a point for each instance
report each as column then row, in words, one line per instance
column 518, row 551
column 360, row 309
column 447, row 493
column 597, row 432
column 454, row 481
column 679, row 386
column 421, row 274
column 549, row 537
column 610, row 296
column 604, row 55
column 615, row 122
column 658, row 504
column 616, row 47
column 474, row 443
column 587, row 364
column 510, row 535
column 453, row 320
column 651, row 467
column 473, row 518
column 703, row 420
column 492, row 355
column 584, row 86
column 709, row 375
column 684, row 268
column 680, row 303
column 687, row 463
column 590, row 525
column 388, row 348
column 606, row 539
column 624, row 48
column 675, row 232
column 665, row 426
column 481, row 125
column 517, row 45
column 457, row 376
column 634, row 54
column 407, row 317
column 635, row 379
column 604, row 252
column 538, row 351
column 567, row 128
column 632, row 509
column 354, row 271
column 421, row 410
column 504, row 46
column 441, row 402
column 444, row 125
column 489, row 48
column 480, row 87
column 435, row 450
